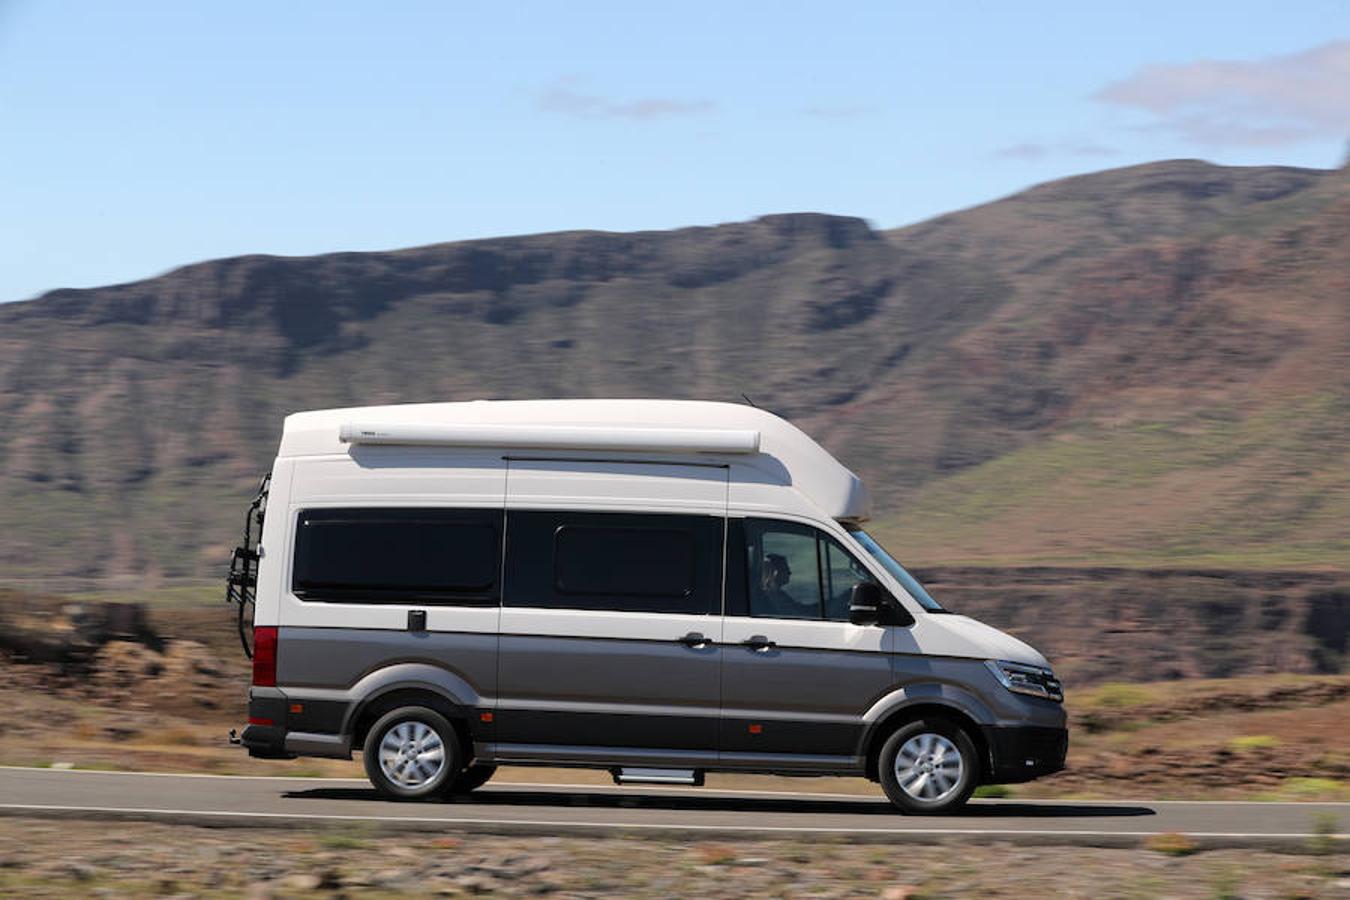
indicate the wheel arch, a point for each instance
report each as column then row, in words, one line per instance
column 902, row 715
column 412, row 684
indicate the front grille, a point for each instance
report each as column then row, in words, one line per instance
column 1046, row 679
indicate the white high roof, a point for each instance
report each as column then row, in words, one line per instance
column 666, row 429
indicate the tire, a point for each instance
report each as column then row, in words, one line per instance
column 411, row 753
column 471, row 779
column 929, row 767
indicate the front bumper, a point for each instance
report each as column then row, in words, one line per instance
column 1021, row 753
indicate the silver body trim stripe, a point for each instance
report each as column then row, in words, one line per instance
column 628, row 756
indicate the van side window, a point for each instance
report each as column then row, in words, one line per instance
column 784, row 568
column 638, row 562
column 614, row 561
column 794, row 572
column 407, row 555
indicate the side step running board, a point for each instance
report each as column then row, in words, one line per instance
column 630, row 775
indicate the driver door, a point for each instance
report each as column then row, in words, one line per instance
column 797, row 676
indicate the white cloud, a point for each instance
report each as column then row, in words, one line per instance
column 1022, row 151
column 1089, row 148
column 839, row 111
column 1265, row 102
column 565, row 99
column 1034, row 150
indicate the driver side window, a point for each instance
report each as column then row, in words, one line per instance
column 784, row 570
column 797, row 572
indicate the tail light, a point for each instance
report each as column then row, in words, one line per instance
column 264, row 656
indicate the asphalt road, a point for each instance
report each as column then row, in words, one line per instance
column 680, row 812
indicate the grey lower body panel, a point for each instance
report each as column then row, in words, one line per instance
column 610, row 692
column 343, row 659
column 797, row 701
column 639, row 703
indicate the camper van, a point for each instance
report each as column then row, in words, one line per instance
column 655, row 588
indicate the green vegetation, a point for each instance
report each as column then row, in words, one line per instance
column 1312, row 790
column 341, row 841
column 993, row 792
column 1325, row 829
column 1114, row 695
column 167, row 597
column 1265, row 491
column 1327, row 789
column 1250, row 742
column 1226, row 884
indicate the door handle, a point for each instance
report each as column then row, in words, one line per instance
column 693, row 639
column 759, row 643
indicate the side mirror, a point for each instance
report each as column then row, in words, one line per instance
column 864, row 604
column 869, row 604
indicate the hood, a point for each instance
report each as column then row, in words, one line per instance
column 953, row 635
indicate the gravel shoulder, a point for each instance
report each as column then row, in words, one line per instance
column 41, row 858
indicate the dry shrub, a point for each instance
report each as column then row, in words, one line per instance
column 715, row 854
column 1172, row 844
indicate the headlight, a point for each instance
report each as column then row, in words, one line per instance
column 1024, row 679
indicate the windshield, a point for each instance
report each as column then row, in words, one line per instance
column 907, row 581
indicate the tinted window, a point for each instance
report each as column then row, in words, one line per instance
column 641, row 562
column 397, row 555
column 791, row 571
column 784, row 570
column 614, row 561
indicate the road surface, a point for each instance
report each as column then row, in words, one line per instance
column 671, row 812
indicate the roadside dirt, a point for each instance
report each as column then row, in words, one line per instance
column 68, row 859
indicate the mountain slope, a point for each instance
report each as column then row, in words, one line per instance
column 1203, row 379
column 1142, row 365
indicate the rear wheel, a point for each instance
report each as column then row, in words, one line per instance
column 471, row 779
column 929, row 766
column 410, row 753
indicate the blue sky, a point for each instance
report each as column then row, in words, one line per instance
column 139, row 136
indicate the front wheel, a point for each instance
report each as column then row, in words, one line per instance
column 411, row 753
column 929, row 766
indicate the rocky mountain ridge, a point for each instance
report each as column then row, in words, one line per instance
column 1140, row 366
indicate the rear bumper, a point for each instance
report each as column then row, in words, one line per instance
column 284, row 727
column 1021, row 753
column 265, row 742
